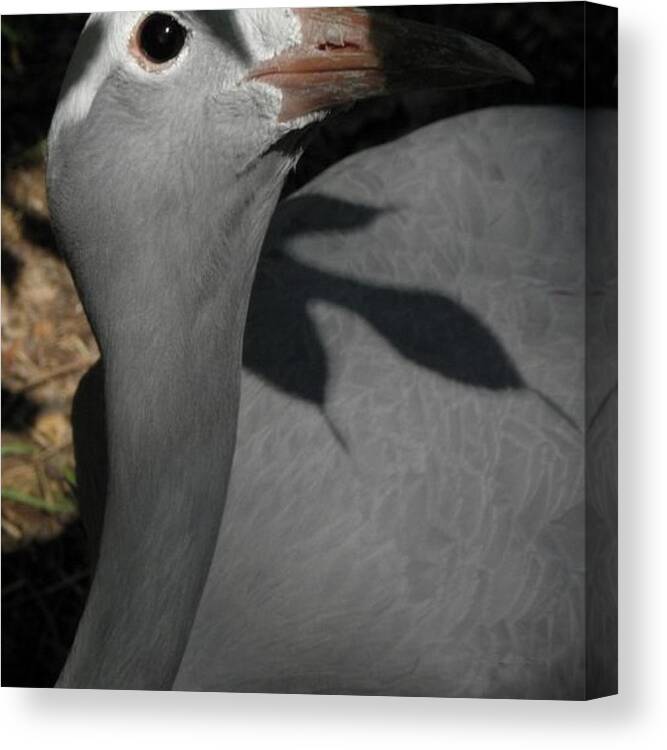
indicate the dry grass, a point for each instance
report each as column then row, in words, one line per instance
column 46, row 347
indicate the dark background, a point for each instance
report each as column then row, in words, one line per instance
column 45, row 583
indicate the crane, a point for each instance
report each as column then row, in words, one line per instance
column 388, row 498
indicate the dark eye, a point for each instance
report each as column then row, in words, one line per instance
column 160, row 38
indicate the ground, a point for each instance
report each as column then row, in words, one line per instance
column 46, row 346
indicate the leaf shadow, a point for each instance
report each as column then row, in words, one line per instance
column 282, row 344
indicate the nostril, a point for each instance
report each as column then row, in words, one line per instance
column 329, row 45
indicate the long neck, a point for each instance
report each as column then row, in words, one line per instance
column 172, row 354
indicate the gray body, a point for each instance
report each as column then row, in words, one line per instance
column 421, row 531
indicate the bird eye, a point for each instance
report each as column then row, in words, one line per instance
column 159, row 39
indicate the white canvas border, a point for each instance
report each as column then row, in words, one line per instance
column 31, row 718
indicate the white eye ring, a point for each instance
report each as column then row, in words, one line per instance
column 158, row 41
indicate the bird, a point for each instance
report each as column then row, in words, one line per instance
column 388, row 497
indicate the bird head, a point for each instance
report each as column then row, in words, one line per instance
column 162, row 113
column 241, row 79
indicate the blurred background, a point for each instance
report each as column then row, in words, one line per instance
column 46, row 342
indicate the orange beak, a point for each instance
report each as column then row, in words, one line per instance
column 346, row 54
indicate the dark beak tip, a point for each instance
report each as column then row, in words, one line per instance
column 523, row 75
column 509, row 67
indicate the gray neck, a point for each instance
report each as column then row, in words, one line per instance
column 170, row 327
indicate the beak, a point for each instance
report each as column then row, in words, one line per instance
column 347, row 54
